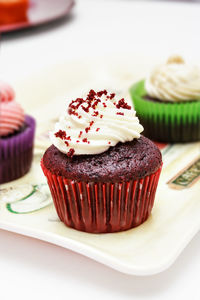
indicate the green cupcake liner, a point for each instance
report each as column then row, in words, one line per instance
column 165, row 121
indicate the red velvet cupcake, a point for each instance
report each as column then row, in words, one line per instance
column 16, row 137
column 101, row 172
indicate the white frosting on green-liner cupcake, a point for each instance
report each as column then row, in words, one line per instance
column 174, row 81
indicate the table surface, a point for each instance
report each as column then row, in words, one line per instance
column 35, row 269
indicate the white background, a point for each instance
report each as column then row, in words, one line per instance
column 31, row 269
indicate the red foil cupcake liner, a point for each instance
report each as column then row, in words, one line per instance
column 16, row 152
column 102, row 207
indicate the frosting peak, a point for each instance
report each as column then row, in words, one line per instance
column 11, row 113
column 175, row 59
column 174, row 81
column 93, row 124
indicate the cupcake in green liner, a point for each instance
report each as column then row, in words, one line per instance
column 168, row 102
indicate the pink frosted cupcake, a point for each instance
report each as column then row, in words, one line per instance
column 16, row 137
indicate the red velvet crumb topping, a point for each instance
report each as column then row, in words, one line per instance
column 99, row 94
column 61, row 134
column 80, row 134
column 95, row 114
column 122, row 104
column 70, row 152
column 112, row 95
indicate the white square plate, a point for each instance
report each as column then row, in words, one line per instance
column 26, row 205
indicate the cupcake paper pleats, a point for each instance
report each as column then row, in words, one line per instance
column 102, row 207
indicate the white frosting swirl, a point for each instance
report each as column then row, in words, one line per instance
column 92, row 125
column 174, row 81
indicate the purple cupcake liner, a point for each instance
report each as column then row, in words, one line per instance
column 16, row 152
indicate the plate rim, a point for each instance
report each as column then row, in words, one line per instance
column 25, row 25
column 96, row 254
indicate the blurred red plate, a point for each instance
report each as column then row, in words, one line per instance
column 41, row 12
